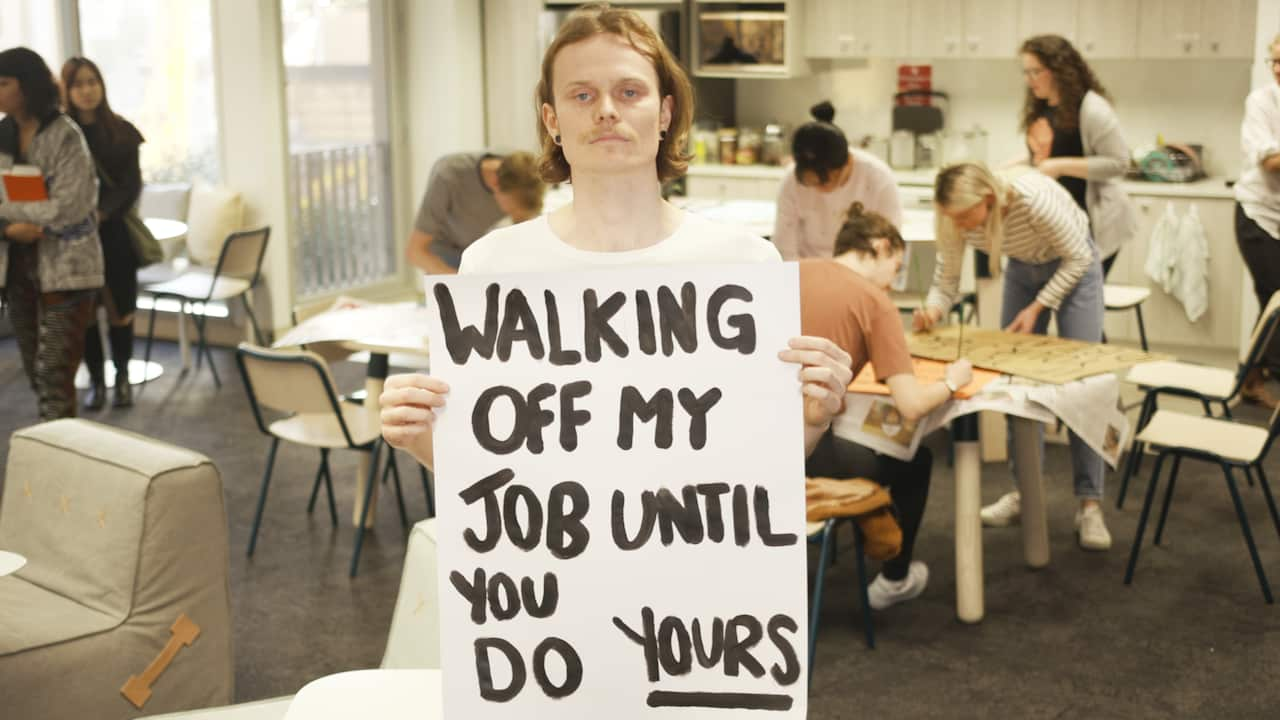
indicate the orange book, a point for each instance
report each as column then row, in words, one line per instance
column 926, row 371
column 24, row 183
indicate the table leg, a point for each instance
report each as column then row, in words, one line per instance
column 969, row 590
column 375, row 378
column 1035, row 525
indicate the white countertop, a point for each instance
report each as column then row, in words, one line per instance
column 1209, row 188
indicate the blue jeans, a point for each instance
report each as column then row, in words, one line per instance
column 1079, row 318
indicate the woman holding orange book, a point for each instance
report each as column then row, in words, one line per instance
column 51, row 263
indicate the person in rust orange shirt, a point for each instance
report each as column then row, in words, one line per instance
column 845, row 299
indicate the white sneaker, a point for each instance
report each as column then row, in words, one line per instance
column 883, row 592
column 1003, row 512
column 1092, row 529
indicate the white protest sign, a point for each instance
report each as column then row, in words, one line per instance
column 620, row 470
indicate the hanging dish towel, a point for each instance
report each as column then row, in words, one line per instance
column 1191, row 266
column 1162, row 249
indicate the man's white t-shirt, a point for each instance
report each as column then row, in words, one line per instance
column 533, row 247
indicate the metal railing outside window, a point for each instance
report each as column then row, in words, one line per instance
column 341, row 217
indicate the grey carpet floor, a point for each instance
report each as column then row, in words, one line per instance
column 1190, row 638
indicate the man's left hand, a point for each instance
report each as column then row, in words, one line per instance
column 825, row 374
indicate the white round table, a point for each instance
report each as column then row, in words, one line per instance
column 10, row 562
column 170, row 234
column 382, row 694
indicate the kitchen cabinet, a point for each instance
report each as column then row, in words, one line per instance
column 1228, row 28
column 1107, row 29
column 1166, row 320
column 1197, row 28
column 856, row 28
column 968, row 29
column 936, row 29
column 714, row 186
column 512, row 62
column 1169, row 29
column 1036, row 17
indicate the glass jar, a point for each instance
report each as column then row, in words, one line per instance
column 728, row 145
column 773, row 149
column 748, row 146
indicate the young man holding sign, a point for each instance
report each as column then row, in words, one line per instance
column 665, row 575
column 616, row 111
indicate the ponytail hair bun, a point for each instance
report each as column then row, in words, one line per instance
column 861, row 227
column 823, row 112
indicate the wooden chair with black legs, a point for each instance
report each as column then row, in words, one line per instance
column 336, row 352
column 1208, row 385
column 829, row 503
column 823, row 534
column 298, row 385
column 236, row 274
column 1226, row 443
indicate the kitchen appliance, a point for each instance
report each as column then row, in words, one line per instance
column 732, row 40
column 928, row 150
column 1172, row 162
column 666, row 19
column 922, row 122
column 902, row 150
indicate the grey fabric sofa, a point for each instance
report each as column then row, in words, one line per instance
column 123, row 535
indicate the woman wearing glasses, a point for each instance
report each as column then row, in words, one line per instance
column 1258, row 206
column 1073, row 135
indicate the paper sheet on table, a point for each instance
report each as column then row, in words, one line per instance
column 1088, row 407
column 926, row 371
column 392, row 325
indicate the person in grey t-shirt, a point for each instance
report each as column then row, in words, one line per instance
column 457, row 209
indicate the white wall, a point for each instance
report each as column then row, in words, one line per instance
column 1184, row 100
column 444, row 87
column 254, row 144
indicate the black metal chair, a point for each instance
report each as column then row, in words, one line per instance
column 236, row 274
column 1208, row 385
column 298, row 384
column 1230, row 445
column 824, row 535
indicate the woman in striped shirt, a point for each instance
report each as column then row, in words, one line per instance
column 1053, row 265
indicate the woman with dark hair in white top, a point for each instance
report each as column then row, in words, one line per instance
column 827, row 178
column 1052, row 267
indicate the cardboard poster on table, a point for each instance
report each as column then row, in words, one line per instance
column 620, row 476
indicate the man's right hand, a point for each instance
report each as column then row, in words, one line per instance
column 409, row 404
column 925, row 318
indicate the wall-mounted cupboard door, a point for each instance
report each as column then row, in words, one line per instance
column 1227, row 28
column 1169, row 29
column 856, row 28
column 1037, row 17
column 991, row 29
column 1107, row 29
column 936, row 29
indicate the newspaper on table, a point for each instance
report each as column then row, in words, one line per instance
column 391, row 325
column 1089, row 407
